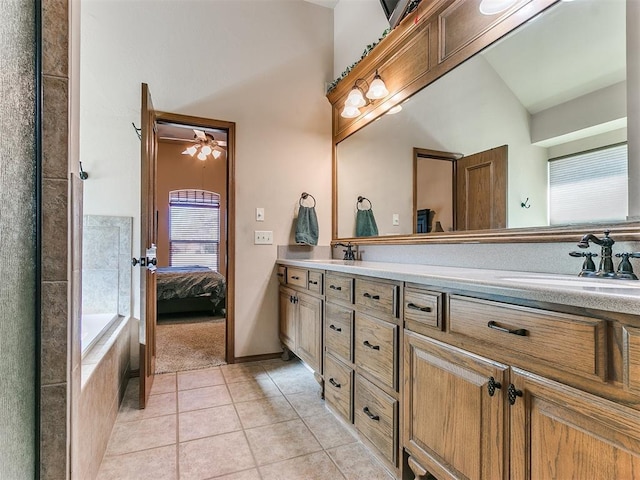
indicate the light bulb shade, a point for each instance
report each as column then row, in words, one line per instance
column 491, row 7
column 394, row 110
column 349, row 111
column 202, row 156
column 216, row 153
column 190, row 151
column 206, row 149
column 377, row 89
column 355, row 98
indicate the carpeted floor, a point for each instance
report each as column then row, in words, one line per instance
column 189, row 343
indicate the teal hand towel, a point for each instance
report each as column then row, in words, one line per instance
column 307, row 226
column 366, row 224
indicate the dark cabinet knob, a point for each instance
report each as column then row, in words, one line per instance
column 513, row 394
column 492, row 386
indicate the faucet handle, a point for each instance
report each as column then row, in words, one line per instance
column 625, row 270
column 588, row 265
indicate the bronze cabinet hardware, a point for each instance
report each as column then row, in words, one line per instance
column 313, row 282
column 515, row 331
column 513, row 394
column 333, row 287
column 334, row 383
column 371, row 415
column 280, row 274
column 413, row 306
column 295, row 278
column 492, row 386
column 372, row 297
column 333, row 327
column 372, row 347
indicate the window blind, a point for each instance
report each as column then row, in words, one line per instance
column 589, row 187
column 194, row 228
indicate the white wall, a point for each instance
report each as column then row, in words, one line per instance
column 261, row 64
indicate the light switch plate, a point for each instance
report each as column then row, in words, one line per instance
column 259, row 214
column 263, row 237
column 396, row 219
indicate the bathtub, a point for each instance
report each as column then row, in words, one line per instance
column 93, row 326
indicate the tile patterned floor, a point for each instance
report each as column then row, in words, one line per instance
column 252, row 421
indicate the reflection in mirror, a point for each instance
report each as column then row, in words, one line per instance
column 553, row 88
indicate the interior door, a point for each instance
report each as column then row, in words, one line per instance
column 148, row 240
column 481, row 190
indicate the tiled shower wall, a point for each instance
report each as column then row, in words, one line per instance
column 17, row 228
column 106, row 264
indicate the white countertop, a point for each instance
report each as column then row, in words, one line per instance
column 621, row 296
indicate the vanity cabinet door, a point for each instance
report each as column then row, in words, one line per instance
column 559, row 432
column 287, row 318
column 309, row 331
column 452, row 425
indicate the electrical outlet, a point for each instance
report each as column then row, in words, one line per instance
column 263, row 237
column 396, row 219
column 259, row 214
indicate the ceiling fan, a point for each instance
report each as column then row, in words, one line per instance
column 205, row 145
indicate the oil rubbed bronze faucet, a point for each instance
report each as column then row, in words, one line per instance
column 349, row 253
column 605, row 269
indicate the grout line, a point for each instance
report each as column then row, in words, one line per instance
column 177, row 413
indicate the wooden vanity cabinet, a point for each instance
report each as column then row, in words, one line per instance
column 301, row 315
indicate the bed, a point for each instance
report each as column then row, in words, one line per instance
column 190, row 289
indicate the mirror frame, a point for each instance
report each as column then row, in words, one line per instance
column 391, row 57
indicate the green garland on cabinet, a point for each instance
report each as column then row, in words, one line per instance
column 412, row 6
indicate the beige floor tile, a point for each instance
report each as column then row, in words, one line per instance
column 154, row 464
column 265, row 411
column 242, row 372
column 316, row 466
column 246, row 475
column 214, row 456
column 357, row 463
column 299, row 380
column 139, row 435
column 200, row 378
column 157, row 406
column 329, row 431
column 164, row 383
column 253, row 389
column 207, row 422
column 281, row 441
column 307, row 404
column 205, row 397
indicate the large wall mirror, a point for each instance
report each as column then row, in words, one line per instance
column 553, row 88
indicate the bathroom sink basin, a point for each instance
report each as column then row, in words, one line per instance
column 578, row 282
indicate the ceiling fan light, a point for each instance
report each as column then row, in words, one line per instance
column 355, row 98
column 350, row 111
column 206, row 149
column 202, row 156
column 190, row 150
column 216, row 153
column 491, row 7
column 377, row 89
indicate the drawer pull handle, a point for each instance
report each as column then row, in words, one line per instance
column 333, row 327
column 372, row 347
column 372, row 297
column 513, row 393
column 333, row 287
column 295, row 278
column 334, row 383
column 492, row 386
column 370, row 415
column 413, row 306
column 516, row 331
column 280, row 274
column 313, row 282
column 293, row 299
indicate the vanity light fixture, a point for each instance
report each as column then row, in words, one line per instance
column 356, row 98
column 491, row 7
column 394, row 110
column 205, row 146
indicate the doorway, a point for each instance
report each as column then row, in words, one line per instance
column 194, row 208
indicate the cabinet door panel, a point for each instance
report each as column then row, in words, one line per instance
column 309, row 331
column 287, row 318
column 558, row 432
column 451, row 423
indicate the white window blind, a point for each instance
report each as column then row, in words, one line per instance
column 589, row 187
column 194, row 228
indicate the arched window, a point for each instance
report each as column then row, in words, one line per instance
column 194, row 228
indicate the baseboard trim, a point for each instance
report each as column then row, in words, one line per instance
column 257, row 358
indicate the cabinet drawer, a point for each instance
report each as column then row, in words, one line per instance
column 297, row 277
column 376, row 349
column 377, row 297
column 375, row 416
column 282, row 274
column 314, row 283
column 569, row 342
column 422, row 308
column 339, row 288
column 338, row 388
column 337, row 331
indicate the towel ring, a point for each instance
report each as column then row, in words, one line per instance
column 362, row 199
column 304, row 197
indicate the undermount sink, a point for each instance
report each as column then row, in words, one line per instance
column 578, row 282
